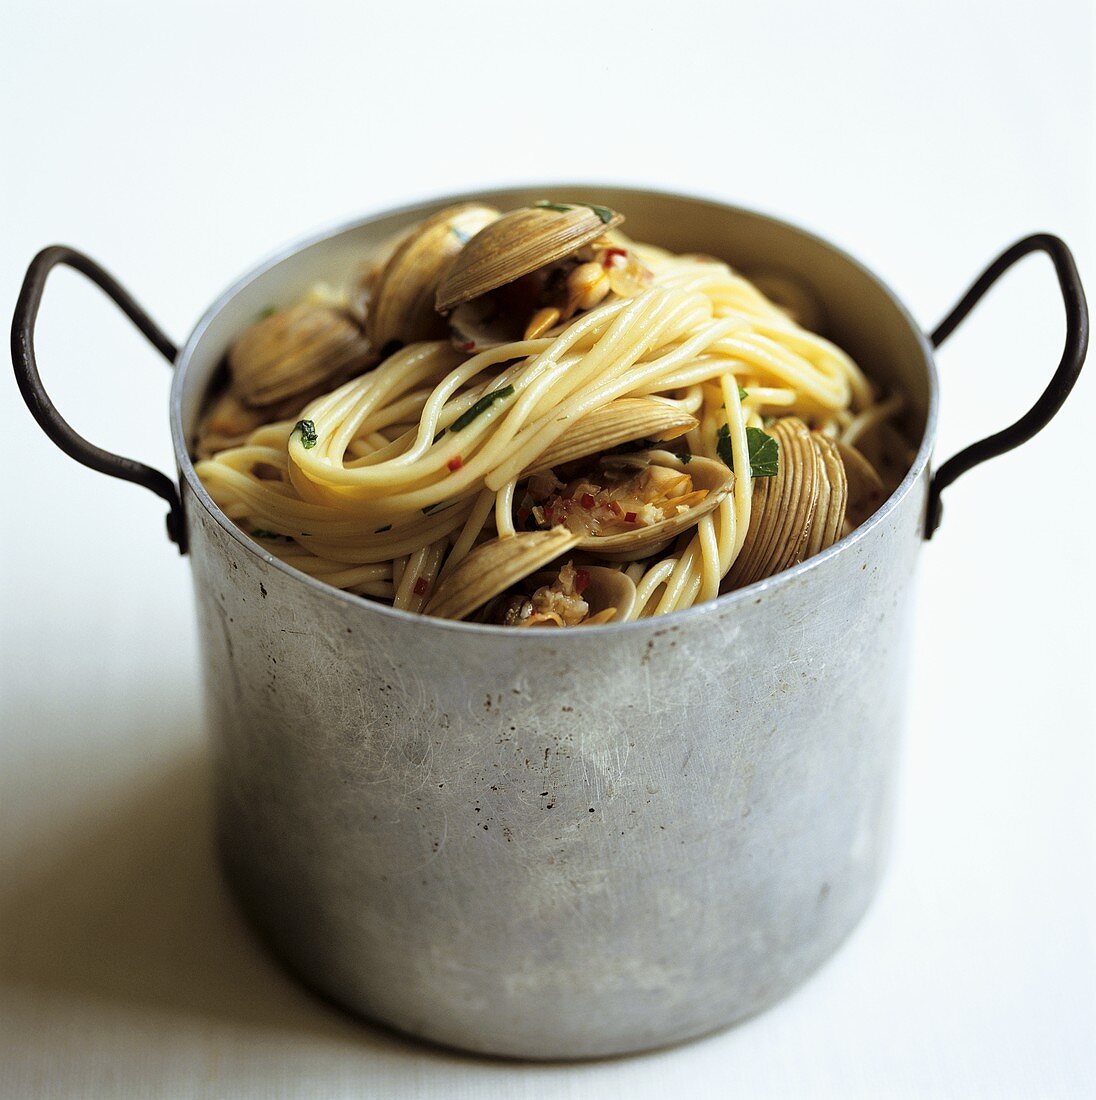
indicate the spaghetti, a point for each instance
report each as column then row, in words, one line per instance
column 386, row 483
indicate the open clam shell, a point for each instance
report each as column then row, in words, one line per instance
column 610, row 595
column 520, row 242
column 295, row 350
column 866, row 490
column 644, row 540
column 401, row 306
column 609, row 590
column 492, row 567
column 620, row 421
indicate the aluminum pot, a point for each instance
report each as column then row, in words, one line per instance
column 549, row 844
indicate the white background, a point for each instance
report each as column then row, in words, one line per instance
column 177, row 145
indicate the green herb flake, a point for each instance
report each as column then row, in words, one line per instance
column 269, row 536
column 603, row 212
column 430, row 509
column 685, row 457
column 723, row 446
column 763, row 450
column 381, row 530
column 307, row 428
column 437, row 437
column 269, row 311
column 481, row 406
column 743, row 394
column 764, row 453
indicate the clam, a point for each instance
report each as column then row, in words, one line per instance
column 866, row 491
column 631, row 505
column 401, row 296
column 296, row 350
column 710, row 481
column 519, row 243
column 492, row 567
column 833, row 492
column 796, row 513
column 620, row 421
column 568, row 596
column 610, row 594
column 535, row 304
column 788, row 502
column 822, row 489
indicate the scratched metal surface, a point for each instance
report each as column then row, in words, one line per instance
column 556, row 846
column 547, row 845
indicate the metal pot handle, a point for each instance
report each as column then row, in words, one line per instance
column 1042, row 412
column 42, row 408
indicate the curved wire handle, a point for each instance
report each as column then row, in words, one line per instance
column 43, row 409
column 1065, row 376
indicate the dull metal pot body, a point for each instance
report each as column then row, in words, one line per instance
column 557, row 846
column 560, row 844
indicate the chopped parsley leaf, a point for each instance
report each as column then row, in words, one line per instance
column 481, row 406
column 307, row 428
column 764, row 451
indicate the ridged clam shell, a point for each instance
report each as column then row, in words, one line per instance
column 401, row 303
column 783, row 508
column 494, row 566
column 295, row 350
column 516, row 244
column 620, row 421
column 833, row 494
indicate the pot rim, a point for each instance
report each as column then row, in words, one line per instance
column 190, row 479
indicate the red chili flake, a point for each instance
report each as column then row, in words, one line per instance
column 588, row 501
column 629, row 517
column 582, row 579
column 421, row 585
column 523, row 514
column 611, row 254
column 615, row 508
column 548, row 514
column 455, row 464
column 469, row 345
